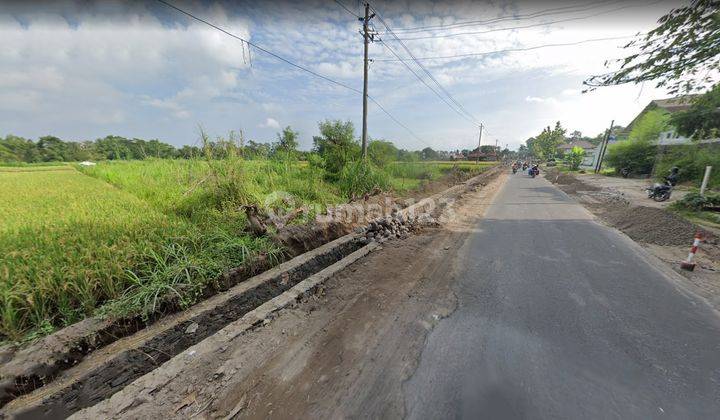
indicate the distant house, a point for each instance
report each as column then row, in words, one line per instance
column 483, row 153
column 477, row 155
column 670, row 105
column 589, row 148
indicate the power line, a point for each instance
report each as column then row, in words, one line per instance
column 536, row 47
column 542, row 13
column 305, row 69
column 525, row 26
column 460, row 109
column 348, row 10
column 410, row 69
column 259, row 47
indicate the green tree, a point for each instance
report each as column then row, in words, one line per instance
column 702, row 120
column 574, row 157
column 523, row 151
column 382, row 152
column 681, row 53
column 429, row 154
column 287, row 143
column 257, row 150
column 637, row 153
column 545, row 144
column 649, row 126
column 336, row 145
column 52, row 149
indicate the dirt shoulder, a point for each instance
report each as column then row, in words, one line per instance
column 632, row 189
column 665, row 234
column 360, row 335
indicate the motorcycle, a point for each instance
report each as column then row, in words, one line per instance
column 534, row 171
column 514, row 168
column 659, row 192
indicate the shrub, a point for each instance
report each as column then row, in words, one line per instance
column 692, row 160
column 637, row 153
column 382, row 152
column 575, row 157
column 694, row 201
column 637, row 156
column 337, row 146
column 360, row 177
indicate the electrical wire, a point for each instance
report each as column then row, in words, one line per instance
column 535, row 47
column 347, row 9
column 510, row 28
column 542, row 13
column 305, row 69
column 460, row 108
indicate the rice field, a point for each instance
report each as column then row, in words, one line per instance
column 66, row 240
column 121, row 236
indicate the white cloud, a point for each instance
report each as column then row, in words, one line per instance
column 270, row 123
column 118, row 67
column 97, row 70
column 549, row 100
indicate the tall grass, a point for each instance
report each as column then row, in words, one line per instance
column 66, row 241
column 129, row 237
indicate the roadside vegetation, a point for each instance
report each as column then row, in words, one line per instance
column 131, row 237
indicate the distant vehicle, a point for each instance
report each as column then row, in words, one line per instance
column 550, row 162
column 534, row 171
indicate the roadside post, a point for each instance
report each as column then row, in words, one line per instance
column 603, row 148
column 703, row 186
column 688, row 264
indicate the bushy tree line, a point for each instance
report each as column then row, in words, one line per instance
column 53, row 149
column 336, row 144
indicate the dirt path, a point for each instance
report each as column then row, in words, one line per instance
column 361, row 336
column 632, row 189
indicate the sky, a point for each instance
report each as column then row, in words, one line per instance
column 81, row 70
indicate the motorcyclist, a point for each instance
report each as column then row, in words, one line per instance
column 672, row 179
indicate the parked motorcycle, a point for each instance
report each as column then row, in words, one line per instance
column 659, row 192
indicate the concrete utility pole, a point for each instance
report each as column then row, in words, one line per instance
column 703, row 186
column 603, row 148
column 477, row 159
column 366, row 38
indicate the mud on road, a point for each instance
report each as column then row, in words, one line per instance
column 345, row 351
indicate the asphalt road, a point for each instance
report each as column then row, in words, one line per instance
column 561, row 317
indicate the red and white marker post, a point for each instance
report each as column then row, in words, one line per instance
column 688, row 264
